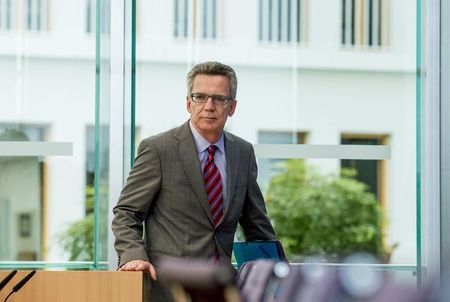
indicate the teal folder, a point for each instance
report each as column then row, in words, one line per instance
column 252, row 250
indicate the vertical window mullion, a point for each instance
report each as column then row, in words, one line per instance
column 105, row 26
column 214, row 17
column 359, row 22
column 270, row 12
column 349, row 30
column 353, row 42
column 194, row 17
column 93, row 16
column 279, row 27
column 366, row 22
column 380, row 22
column 88, row 16
column 34, row 10
column 2, row 14
column 34, row 14
column 288, row 21
column 266, row 18
column 260, row 20
column 185, row 18
column 175, row 18
column 8, row 14
column 343, row 20
column 298, row 20
column 28, row 14
column 11, row 13
column 375, row 24
column 30, row 10
column 284, row 20
column 370, row 29
column 38, row 15
column 205, row 19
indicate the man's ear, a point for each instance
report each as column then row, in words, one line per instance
column 233, row 105
column 188, row 104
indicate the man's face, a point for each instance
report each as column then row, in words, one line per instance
column 209, row 118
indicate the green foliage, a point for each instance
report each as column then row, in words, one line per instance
column 331, row 216
column 78, row 238
column 90, row 197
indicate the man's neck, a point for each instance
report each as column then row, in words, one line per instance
column 210, row 137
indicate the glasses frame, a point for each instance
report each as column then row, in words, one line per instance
column 215, row 98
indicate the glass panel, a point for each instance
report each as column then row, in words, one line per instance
column 48, row 95
column 350, row 80
column 102, row 132
column 321, row 209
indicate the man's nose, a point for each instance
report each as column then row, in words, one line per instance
column 209, row 105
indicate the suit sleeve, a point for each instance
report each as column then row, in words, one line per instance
column 254, row 220
column 135, row 202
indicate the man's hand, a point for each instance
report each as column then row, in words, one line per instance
column 139, row 265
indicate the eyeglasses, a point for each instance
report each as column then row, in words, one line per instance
column 217, row 99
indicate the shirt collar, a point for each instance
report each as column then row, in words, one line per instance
column 201, row 144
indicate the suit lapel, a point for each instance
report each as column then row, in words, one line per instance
column 232, row 156
column 191, row 165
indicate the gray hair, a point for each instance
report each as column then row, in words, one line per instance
column 213, row 68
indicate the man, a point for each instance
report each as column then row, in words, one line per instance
column 191, row 185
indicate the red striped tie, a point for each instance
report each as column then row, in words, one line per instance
column 213, row 184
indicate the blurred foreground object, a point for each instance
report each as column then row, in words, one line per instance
column 198, row 280
column 358, row 279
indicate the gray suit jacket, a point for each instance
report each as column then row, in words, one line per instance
column 165, row 190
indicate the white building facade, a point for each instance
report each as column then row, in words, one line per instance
column 328, row 70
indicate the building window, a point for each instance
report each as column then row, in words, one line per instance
column 29, row 15
column 196, row 18
column 180, row 18
column 268, row 168
column 6, row 14
column 209, row 19
column 281, row 20
column 90, row 16
column 91, row 13
column 35, row 15
column 364, row 22
column 370, row 172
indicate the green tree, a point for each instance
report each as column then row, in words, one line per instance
column 331, row 216
column 78, row 238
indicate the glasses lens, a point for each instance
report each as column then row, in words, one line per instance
column 203, row 98
column 199, row 98
column 220, row 100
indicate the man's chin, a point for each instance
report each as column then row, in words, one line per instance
column 210, row 128
column 210, row 124
column 210, row 120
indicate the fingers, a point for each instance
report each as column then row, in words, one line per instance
column 152, row 272
column 140, row 265
column 135, row 265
